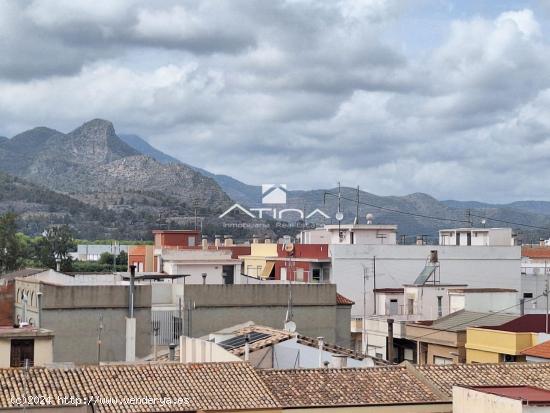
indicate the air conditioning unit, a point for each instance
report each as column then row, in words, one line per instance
column 508, row 358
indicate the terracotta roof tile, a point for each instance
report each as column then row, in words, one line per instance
column 347, row 387
column 503, row 374
column 207, row 386
column 541, row 350
column 535, row 252
column 341, row 300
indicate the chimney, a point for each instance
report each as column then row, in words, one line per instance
column 204, row 278
column 321, row 341
column 339, row 361
column 172, row 351
column 267, row 240
column 131, row 291
column 419, row 240
column 204, row 242
column 247, row 347
column 217, row 241
column 255, row 239
column 390, row 340
column 227, row 240
column 130, row 320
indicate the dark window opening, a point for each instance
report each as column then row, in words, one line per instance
column 22, row 350
column 316, row 274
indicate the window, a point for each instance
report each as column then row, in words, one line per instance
column 316, row 274
column 442, row 360
column 299, row 274
column 439, row 306
column 21, row 350
column 408, row 354
column 191, row 241
column 410, row 306
column 527, row 295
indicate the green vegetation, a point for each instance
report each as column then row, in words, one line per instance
column 18, row 250
column 110, row 241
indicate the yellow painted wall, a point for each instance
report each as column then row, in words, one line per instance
column 478, row 356
column 5, row 349
column 257, row 257
column 43, row 351
column 486, row 346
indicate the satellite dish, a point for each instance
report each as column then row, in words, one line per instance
column 290, row 326
column 339, row 216
column 289, row 247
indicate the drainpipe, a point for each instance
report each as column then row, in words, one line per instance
column 39, row 297
column 390, row 340
column 321, row 341
column 203, row 278
column 522, row 306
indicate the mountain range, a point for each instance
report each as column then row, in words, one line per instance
column 109, row 185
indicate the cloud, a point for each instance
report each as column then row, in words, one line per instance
column 297, row 91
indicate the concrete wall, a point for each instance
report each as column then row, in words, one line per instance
column 400, row 264
column 76, row 333
column 216, row 307
column 73, row 313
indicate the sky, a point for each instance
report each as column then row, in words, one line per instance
column 450, row 98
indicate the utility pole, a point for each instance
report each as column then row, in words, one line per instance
column 546, row 293
column 365, row 277
column 357, row 208
column 374, row 281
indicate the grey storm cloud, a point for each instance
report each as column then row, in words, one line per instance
column 298, row 91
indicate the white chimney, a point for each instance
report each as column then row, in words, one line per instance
column 247, row 348
column 228, row 240
column 541, row 242
column 267, row 241
column 339, row 361
column 255, row 239
column 204, row 242
column 321, row 341
column 217, row 241
column 419, row 240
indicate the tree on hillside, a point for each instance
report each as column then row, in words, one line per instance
column 56, row 243
column 10, row 247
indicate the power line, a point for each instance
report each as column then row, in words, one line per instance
column 463, row 221
column 479, row 318
column 511, row 223
column 398, row 211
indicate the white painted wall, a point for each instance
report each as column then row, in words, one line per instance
column 400, row 264
column 473, row 401
column 290, row 354
column 486, row 302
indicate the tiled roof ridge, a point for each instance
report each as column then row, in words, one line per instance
column 346, row 351
column 332, row 369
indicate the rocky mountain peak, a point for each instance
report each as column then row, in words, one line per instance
column 96, row 142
